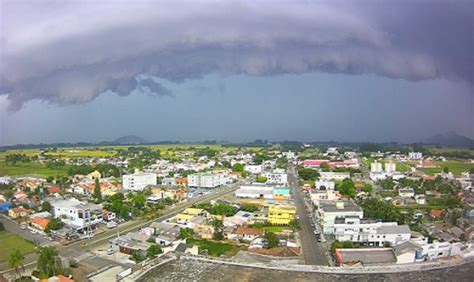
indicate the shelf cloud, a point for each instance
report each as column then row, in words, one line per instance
column 71, row 52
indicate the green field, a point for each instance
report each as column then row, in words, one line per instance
column 31, row 169
column 456, row 167
column 9, row 242
column 215, row 249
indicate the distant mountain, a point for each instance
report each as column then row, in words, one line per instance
column 450, row 139
column 129, row 140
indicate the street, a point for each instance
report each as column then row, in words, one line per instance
column 79, row 248
column 313, row 251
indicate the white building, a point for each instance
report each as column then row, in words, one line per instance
column 332, row 150
column 406, row 192
column 331, row 175
column 329, row 185
column 207, row 180
column 255, row 191
column 78, row 215
column 376, row 167
column 324, row 195
column 390, row 167
column 254, row 169
column 420, row 199
column 276, row 177
column 370, row 233
column 328, row 212
column 138, row 181
column 415, row 156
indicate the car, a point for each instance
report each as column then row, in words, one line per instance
column 110, row 251
column 316, row 232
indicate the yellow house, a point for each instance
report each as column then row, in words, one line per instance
column 193, row 211
column 281, row 215
column 188, row 214
column 94, row 175
column 19, row 212
column 205, row 231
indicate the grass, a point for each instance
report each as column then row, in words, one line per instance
column 274, row 229
column 215, row 249
column 31, row 168
column 430, row 170
column 456, row 167
column 10, row 242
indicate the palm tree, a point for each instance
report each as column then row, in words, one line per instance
column 16, row 261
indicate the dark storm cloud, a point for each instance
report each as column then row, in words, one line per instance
column 71, row 53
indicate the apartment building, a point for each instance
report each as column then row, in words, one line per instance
column 138, row 181
column 81, row 216
column 328, row 211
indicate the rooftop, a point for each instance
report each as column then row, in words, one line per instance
column 347, row 206
column 366, row 256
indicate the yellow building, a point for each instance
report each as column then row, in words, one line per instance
column 94, row 175
column 281, row 215
column 188, row 214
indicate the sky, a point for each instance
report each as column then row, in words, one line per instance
column 371, row 71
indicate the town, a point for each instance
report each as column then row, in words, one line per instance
column 118, row 212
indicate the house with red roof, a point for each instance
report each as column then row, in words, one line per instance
column 249, row 234
column 39, row 223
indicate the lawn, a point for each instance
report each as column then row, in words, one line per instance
column 456, row 167
column 274, row 229
column 215, row 249
column 9, row 242
column 79, row 153
column 430, row 170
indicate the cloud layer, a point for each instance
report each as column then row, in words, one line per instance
column 69, row 53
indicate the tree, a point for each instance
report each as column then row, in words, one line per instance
column 185, row 233
column 295, row 225
column 153, row 250
column 324, row 167
column 445, row 169
column 367, row 188
column 272, row 240
column 249, row 207
column 137, row 257
column 49, row 263
column 54, row 224
column 218, row 229
column 15, row 260
column 97, row 194
column 244, row 174
column 46, row 206
column 262, row 179
column 238, row 167
column 347, row 188
column 385, row 211
column 223, row 209
column 308, row 174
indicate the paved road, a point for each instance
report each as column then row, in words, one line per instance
column 313, row 251
column 78, row 249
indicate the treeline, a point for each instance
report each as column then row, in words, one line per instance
column 16, row 158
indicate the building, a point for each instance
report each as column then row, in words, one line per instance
column 376, row 167
column 415, row 155
column 39, row 223
column 19, row 212
column 189, row 214
column 94, row 175
column 276, row 177
column 331, row 175
column 325, row 185
column 255, row 191
column 5, row 206
column 248, row 234
column 406, row 192
column 138, row 181
column 280, row 215
column 369, row 232
column 168, row 181
column 324, row 195
column 407, row 252
column 390, row 167
column 328, row 212
column 420, row 199
column 254, row 169
column 166, row 234
column 204, row 231
column 280, row 193
column 177, row 193
column 81, row 216
column 207, row 180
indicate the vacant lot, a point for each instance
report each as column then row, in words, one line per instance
column 215, row 249
column 10, row 242
column 30, row 168
column 457, row 167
